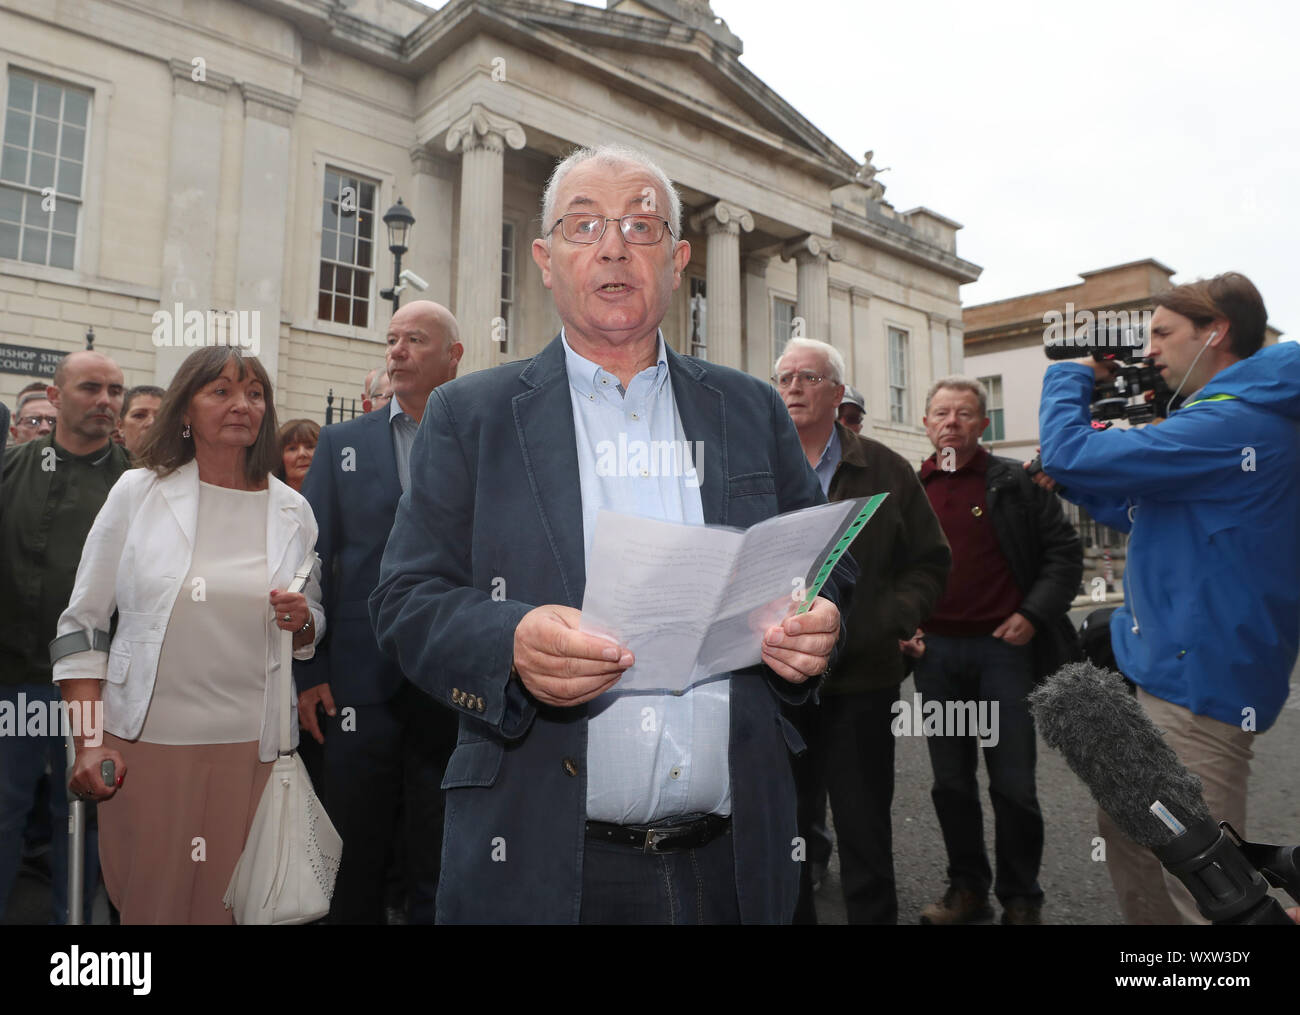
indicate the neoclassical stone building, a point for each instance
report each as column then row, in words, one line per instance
column 238, row 155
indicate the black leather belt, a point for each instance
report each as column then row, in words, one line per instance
column 672, row 834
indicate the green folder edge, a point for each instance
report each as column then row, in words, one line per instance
column 841, row 544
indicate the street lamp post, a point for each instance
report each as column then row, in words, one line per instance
column 399, row 220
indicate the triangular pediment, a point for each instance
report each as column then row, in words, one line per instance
column 675, row 61
column 675, row 72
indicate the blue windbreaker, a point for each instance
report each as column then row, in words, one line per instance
column 1211, row 619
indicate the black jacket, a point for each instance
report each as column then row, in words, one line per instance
column 1045, row 557
column 904, row 561
column 49, row 502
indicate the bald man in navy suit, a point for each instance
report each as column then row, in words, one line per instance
column 385, row 742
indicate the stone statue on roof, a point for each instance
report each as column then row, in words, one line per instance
column 866, row 175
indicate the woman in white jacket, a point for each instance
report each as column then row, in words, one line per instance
column 192, row 551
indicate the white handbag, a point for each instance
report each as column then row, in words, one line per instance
column 286, row 872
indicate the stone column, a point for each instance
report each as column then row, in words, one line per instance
column 481, row 137
column 938, row 345
column 842, row 337
column 860, row 341
column 757, row 319
column 813, row 255
column 264, row 200
column 866, row 367
column 722, row 222
column 193, row 190
column 956, row 347
column 432, row 196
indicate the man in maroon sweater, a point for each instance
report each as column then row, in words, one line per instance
column 999, row 625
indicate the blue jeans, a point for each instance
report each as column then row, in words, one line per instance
column 986, row 669
column 23, row 760
column 623, row 885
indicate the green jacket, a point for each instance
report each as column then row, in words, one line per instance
column 48, row 502
column 904, row 558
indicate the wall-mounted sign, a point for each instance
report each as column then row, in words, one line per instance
column 28, row 360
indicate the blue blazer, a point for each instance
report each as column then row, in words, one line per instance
column 353, row 490
column 495, row 495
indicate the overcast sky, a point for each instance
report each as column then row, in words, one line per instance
column 1063, row 137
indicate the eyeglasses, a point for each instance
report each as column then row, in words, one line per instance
column 579, row 227
column 806, row 377
column 37, row 420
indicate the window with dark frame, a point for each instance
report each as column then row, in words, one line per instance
column 42, row 169
column 347, row 249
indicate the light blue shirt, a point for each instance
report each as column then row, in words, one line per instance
column 829, row 461
column 404, row 428
column 648, row 756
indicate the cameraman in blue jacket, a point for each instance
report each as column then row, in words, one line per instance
column 1210, row 624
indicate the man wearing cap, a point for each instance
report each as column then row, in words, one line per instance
column 853, row 409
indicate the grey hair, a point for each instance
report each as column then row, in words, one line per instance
column 834, row 358
column 32, row 396
column 372, row 376
column 960, row 383
column 610, row 156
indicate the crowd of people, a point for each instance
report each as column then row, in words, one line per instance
column 468, row 738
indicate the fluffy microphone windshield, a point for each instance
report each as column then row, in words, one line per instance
column 1109, row 743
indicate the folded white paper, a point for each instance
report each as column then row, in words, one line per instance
column 692, row 601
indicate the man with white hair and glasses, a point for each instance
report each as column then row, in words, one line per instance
column 568, row 801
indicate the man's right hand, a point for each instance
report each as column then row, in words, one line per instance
column 1040, row 477
column 307, row 701
column 561, row 665
column 914, row 646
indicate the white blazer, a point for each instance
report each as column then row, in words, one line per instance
column 135, row 560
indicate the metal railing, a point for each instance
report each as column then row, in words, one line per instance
column 349, row 408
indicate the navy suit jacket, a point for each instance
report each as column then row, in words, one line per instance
column 494, row 496
column 353, row 490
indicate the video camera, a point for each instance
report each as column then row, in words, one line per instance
column 1136, row 392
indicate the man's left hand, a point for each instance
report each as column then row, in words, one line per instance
column 801, row 646
column 1015, row 630
column 1103, row 370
